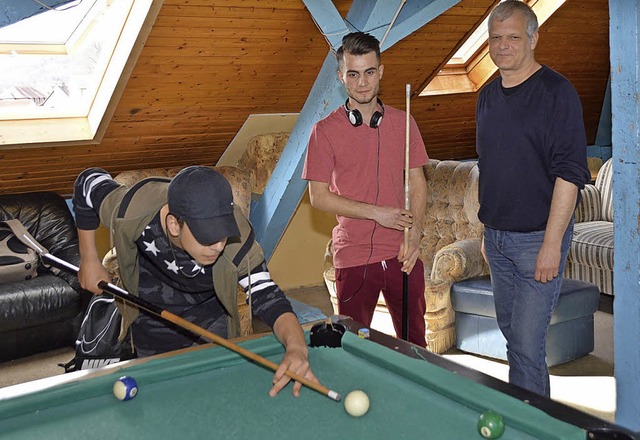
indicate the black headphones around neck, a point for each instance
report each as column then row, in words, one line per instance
column 355, row 117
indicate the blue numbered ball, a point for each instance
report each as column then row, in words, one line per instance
column 125, row 388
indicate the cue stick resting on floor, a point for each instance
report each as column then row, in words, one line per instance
column 175, row 319
column 407, row 206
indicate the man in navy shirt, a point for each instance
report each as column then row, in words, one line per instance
column 531, row 144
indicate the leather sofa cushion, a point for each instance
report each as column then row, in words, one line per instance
column 42, row 300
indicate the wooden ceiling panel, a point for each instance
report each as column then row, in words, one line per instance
column 204, row 69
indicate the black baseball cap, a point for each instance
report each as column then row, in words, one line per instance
column 202, row 197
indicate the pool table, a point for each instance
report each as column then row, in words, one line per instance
column 211, row 392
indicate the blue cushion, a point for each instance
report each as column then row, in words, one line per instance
column 566, row 340
column 570, row 333
column 577, row 299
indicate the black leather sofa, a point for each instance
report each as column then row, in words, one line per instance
column 43, row 313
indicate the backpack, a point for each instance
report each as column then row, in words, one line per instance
column 97, row 343
column 18, row 253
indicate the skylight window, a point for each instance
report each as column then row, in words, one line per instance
column 471, row 66
column 54, row 31
column 60, row 69
column 478, row 39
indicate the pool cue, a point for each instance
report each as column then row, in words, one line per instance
column 407, row 206
column 175, row 319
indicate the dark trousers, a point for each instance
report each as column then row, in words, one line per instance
column 358, row 289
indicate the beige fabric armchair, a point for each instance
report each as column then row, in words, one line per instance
column 451, row 240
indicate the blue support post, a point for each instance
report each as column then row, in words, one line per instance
column 602, row 147
column 272, row 213
column 625, row 76
column 603, row 136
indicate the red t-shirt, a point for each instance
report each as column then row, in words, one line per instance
column 366, row 165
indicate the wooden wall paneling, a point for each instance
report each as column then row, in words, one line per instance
column 204, row 69
column 575, row 42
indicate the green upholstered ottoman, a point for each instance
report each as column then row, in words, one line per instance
column 570, row 334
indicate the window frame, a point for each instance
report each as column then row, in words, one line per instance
column 83, row 123
column 460, row 75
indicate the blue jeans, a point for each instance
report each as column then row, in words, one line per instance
column 523, row 305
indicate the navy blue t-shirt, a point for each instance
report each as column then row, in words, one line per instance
column 525, row 139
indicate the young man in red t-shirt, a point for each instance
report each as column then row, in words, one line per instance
column 355, row 168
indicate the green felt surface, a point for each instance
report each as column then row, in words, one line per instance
column 213, row 393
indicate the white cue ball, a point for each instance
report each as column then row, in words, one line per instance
column 356, row 403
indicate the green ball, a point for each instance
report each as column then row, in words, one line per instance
column 491, row 425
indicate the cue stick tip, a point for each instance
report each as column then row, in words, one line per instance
column 333, row 395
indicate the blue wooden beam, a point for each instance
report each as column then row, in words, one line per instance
column 414, row 14
column 624, row 46
column 271, row 214
column 328, row 20
column 373, row 17
column 273, row 211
